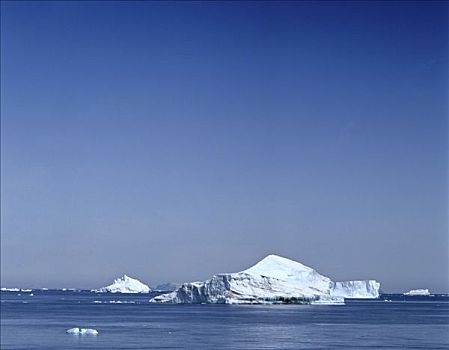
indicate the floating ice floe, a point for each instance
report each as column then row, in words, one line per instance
column 124, row 284
column 275, row 280
column 114, row 302
column 10, row 289
column 82, row 331
column 416, row 292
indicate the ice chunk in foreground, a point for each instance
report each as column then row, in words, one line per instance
column 416, row 292
column 82, row 331
column 125, row 284
column 274, row 279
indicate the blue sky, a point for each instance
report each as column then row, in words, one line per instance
column 171, row 141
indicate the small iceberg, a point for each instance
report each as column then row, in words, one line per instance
column 418, row 292
column 82, row 331
column 124, row 284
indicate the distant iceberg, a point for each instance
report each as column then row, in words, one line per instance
column 274, row 279
column 3, row 289
column 416, row 292
column 82, row 331
column 66, row 289
column 167, row 287
column 125, row 284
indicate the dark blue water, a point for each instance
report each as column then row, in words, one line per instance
column 40, row 322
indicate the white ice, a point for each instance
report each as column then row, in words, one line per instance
column 82, row 331
column 415, row 292
column 125, row 284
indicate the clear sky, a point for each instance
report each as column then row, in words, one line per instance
column 171, row 141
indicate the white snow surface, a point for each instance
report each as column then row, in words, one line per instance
column 415, row 292
column 125, row 284
column 82, row 331
column 274, row 279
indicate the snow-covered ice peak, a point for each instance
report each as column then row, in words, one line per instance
column 288, row 270
column 278, row 267
column 125, row 284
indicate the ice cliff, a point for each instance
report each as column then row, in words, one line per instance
column 274, row 279
column 125, row 284
column 367, row 289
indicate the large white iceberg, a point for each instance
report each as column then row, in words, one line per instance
column 125, row 284
column 272, row 280
column 416, row 292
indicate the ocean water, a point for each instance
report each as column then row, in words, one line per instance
column 40, row 322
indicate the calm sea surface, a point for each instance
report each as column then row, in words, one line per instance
column 40, row 322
